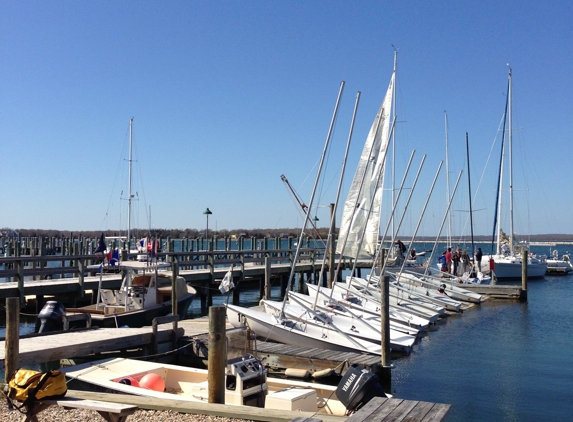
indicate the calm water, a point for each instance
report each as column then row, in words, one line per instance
column 500, row 361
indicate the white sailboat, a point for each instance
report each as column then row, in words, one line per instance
column 508, row 264
column 298, row 333
column 368, row 301
column 355, row 327
column 326, row 305
column 413, row 292
column 401, row 312
column 448, row 285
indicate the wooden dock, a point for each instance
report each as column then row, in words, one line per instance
column 274, row 356
column 379, row 409
column 37, row 349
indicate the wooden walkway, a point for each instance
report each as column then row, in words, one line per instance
column 46, row 348
column 381, row 409
column 377, row 410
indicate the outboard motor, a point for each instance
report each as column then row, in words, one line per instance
column 51, row 317
column 357, row 387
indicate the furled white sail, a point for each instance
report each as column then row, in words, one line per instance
column 360, row 210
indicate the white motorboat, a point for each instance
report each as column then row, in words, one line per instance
column 145, row 294
column 559, row 265
column 246, row 384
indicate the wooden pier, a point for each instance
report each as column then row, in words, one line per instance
column 203, row 270
column 377, row 410
column 274, row 356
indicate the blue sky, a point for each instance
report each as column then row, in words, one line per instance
column 228, row 95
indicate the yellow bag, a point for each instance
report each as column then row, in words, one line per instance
column 26, row 386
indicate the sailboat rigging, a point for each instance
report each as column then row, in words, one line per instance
column 507, row 265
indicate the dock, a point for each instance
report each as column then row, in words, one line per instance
column 379, row 409
column 192, row 337
column 274, row 356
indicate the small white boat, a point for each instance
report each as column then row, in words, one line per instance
column 325, row 305
column 422, row 292
column 145, row 294
column 365, row 301
column 246, row 384
column 556, row 265
column 336, row 299
column 413, row 303
column 399, row 342
column 298, row 333
column 445, row 286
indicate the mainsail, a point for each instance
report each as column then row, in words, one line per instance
column 364, row 201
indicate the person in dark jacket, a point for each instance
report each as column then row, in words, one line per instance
column 479, row 256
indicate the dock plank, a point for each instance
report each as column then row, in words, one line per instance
column 63, row 345
column 383, row 409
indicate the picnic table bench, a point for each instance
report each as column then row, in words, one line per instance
column 111, row 412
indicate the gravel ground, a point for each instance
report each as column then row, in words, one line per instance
column 58, row 414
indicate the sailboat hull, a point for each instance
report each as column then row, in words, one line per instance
column 510, row 268
column 295, row 333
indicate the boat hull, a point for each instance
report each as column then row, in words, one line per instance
column 510, row 268
column 139, row 317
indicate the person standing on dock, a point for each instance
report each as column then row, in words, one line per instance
column 449, row 260
column 456, row 260
column 466, row 267
column 479, row 255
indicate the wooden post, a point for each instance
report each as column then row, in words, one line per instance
column 20, row 277
column 386, row 371
column 267, row 290
column 12, row 345
column 174, row 274
column 211, row 258
column 216, row 364
column 81, row 264
column 524, row 256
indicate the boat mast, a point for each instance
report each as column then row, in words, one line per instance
column 130, row 196
column 509, row 111
column 310, row 202
column 449, row 234
column 470, row 194
column 499, row 197
column 394, row 137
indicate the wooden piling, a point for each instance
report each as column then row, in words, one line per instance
column 385, row 359
column 524, row 256
column 216, row 364
column 174, row 275
column 267, row 290
column 12, row 345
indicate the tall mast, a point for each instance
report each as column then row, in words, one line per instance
column 449, row 234
column 470, row 193
column 509, row 111
column 130, row 196
column 394, row 134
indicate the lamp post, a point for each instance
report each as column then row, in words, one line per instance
column 207, row 212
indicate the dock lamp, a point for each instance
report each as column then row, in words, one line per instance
column 207, row 213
